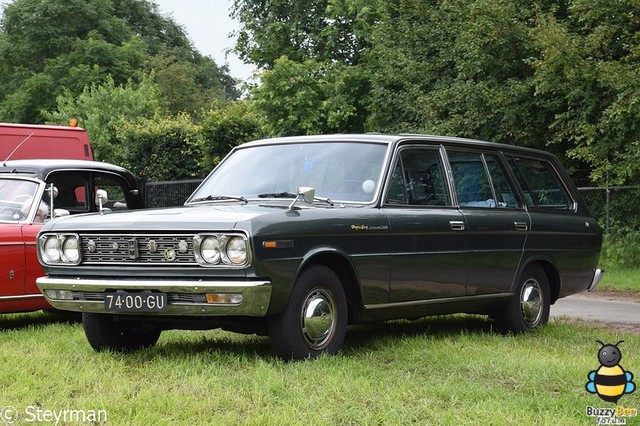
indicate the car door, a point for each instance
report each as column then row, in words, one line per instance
column 12, row 252
column 556, row 228
column 497, row 222
column 77, row 190
column 428, row 243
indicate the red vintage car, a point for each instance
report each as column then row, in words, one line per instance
column 35, row 191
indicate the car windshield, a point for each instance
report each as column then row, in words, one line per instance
column 16, row 198
column 341, row 171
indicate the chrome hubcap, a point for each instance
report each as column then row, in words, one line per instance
column 318, row 319
column 531, row 302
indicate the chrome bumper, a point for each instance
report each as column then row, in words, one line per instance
column 597, row 277
column 88, row 295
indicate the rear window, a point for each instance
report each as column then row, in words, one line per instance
column 541, row 184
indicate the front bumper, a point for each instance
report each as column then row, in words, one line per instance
column 184, row 297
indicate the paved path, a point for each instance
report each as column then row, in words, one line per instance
column 599, row 307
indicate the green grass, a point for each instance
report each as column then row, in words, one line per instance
column 620, row 279
column 445, row 370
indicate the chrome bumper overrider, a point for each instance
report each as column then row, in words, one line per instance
column 88, row 295
column 597, row 277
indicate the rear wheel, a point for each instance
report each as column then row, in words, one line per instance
column 105, row 333
column 315, row 319
column 530, row 305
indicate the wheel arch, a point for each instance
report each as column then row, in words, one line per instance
column 551, row 271
column 346, row 273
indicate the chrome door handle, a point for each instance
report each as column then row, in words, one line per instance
column 521, row 226
column 456, row 225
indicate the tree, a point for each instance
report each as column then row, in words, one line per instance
column 312, row 53
column 320, row 30
column 43, row 53
column 457, row 68
column 105, row 109
column 589, row 66
column 312, row 97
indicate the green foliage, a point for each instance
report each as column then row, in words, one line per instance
column 301, row 30
column 456, row 68
column 312, row 97
column 225, row 127
column 622, row 249
column 48, row 47
column 588, row 65
column 162, row 148
column 315, row 80
column 104, row 109
column 557, row 75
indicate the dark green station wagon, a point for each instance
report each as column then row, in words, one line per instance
column 298, row 237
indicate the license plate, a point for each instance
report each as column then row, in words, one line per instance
column 123, row 301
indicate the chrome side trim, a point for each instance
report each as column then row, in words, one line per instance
column 597, row 277
column 21, row 297
column 439, row 301
column 256, row 295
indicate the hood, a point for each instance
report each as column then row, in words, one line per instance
column 200, row 217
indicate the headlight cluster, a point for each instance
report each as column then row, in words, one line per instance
column 59, row 249
column 221, row 249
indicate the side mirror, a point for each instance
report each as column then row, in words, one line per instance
column 60, row 213
column 307, row 194
column 101, row 198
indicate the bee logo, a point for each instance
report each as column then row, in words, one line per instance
column 610, row 381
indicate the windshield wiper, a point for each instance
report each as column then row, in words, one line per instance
column 277, row 195
column 219, row 198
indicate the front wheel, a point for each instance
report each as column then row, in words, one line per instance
column 315, row 319
column 105, row 333
column 530, row 305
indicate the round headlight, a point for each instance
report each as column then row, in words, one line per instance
column 70, row 249
column 51, row 250
column 210, row 249
column 237, row 250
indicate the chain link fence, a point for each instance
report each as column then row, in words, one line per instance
column 169, row 193
column 615, row 208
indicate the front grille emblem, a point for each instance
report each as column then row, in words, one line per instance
column 152, row 246
column 114, row 245
column 133, row 248
column 91, row 246
column 183, row 247
column 170, row 255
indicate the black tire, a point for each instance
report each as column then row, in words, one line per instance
column 529, row 308
column 315, row 319
column 105, row 333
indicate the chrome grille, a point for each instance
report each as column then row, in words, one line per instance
column 137, row 249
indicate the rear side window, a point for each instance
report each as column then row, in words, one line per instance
column 418, row 179
column 480, row 180
column 541, row 184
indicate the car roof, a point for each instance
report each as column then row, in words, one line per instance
column 389, row 139
column 41, row 168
